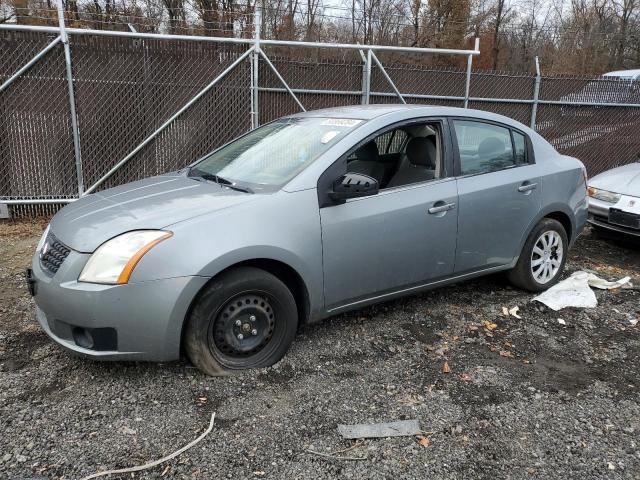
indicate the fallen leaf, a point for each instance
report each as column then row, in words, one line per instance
column 505, row 311
column 514, row 312
column 490, row 325
column 424, row 441
column 446, row 368
column 465, row 377
column 505, row 353
column 473, row 328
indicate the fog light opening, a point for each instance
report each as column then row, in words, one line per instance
column 82, row 337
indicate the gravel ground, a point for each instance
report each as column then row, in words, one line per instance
column 530, row 398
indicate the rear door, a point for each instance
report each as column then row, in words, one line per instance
column 499, row 192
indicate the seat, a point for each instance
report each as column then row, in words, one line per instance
column 367, row 162
column 419, row 164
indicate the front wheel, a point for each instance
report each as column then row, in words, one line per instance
column 245, row 318
column 542, row 258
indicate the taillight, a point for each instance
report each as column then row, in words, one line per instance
column 585, row 177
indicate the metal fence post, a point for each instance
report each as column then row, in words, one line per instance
column 386, row 75
column 29, row 64
column 366, row 80
column 467, row 86
column 72, row 99
column 536, row 95
column 255, row 64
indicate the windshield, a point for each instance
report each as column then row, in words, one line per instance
column 273, row 154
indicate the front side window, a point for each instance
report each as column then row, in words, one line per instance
column 484, row 147
column 273, row 154
column 391, row 143
column 402, row 156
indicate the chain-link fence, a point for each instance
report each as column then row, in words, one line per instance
column 145, row 104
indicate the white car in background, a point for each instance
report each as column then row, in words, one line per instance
column 621, row 86
column 614, row 200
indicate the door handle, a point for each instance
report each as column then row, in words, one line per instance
column 440, row 207
column 527, row 187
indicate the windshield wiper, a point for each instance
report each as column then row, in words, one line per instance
column 223, row 181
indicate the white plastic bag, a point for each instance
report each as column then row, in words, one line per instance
column 575, row 291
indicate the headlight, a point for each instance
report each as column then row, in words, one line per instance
column 43, row 238
column 114, row 261
column 603, row 195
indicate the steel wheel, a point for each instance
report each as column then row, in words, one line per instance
column 243, row 327
column 244, row 318
column 546, row 257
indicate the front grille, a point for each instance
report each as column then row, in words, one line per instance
column 53, row 254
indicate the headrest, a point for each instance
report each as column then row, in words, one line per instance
column 490, row 147
column 421, row 151
column 368, row 152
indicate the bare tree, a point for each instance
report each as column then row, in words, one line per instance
column 501, row 11
column 175, row 9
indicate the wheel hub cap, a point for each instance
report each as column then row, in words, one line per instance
column 546, row 257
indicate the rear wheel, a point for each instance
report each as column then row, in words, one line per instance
column 246, row 318
column 542, row 258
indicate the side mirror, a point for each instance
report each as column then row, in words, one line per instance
column 352, row 185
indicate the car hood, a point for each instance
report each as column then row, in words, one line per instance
column 152, row 203
column 624, row 180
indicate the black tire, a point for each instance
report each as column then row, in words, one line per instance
column 245, row 318
column 522, row 275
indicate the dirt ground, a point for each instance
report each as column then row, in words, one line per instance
column 524, row 398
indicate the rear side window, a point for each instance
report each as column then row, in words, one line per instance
column 485, row 147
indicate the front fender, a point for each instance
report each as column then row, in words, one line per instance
column 284, row 227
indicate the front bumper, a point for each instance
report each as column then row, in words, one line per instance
column 136, row 321
column 599, row 217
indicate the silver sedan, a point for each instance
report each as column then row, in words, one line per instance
column 298, row 220
column 614, row 200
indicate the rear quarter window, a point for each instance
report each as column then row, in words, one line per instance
column 520, row 148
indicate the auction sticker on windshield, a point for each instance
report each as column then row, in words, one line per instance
column 341, row 122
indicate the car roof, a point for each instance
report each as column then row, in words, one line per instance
column 370, row 112
column 623, row 74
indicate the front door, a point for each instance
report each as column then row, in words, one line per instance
column 402, row 237
column 387, row 242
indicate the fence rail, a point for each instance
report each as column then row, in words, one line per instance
column 82, row 110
